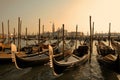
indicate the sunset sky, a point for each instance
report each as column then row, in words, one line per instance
column 68, row 12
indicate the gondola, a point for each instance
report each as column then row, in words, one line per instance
column 5, row 56
column 60, row 65
column 31, row 60
column 106, row 56
column 116, row 46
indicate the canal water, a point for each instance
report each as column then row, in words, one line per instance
column 88, row 71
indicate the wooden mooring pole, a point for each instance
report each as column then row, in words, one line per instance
column 14, row 36
column 19, row 34
column 3, row 36
column 63, row 38
column 76, row 37
column 109, row 34
column 26, row 38
column 8, row 32
column 39, row 32
column 90, row 39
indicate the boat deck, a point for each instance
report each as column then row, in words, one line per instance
column 5, row 55
column 68, row 60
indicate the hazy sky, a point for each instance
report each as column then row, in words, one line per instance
column 68, row 12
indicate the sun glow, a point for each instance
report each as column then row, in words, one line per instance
column 68, row 12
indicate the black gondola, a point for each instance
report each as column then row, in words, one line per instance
column 62, row 64
column 32, row 59
column 107, row 56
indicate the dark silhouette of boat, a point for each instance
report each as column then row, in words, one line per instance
column 32, row 60
column 71, row 58
column 107, row 56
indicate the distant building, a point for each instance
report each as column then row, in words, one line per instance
column 59, row 33
column 73, row 34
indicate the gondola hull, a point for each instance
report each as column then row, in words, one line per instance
column 108, row 64
column 106, row 56
column 60, row 67
column 32, row 60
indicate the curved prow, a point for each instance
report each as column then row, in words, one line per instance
column 51, row 55
column 51, row 58
column 13, row 56
column 13, row 50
